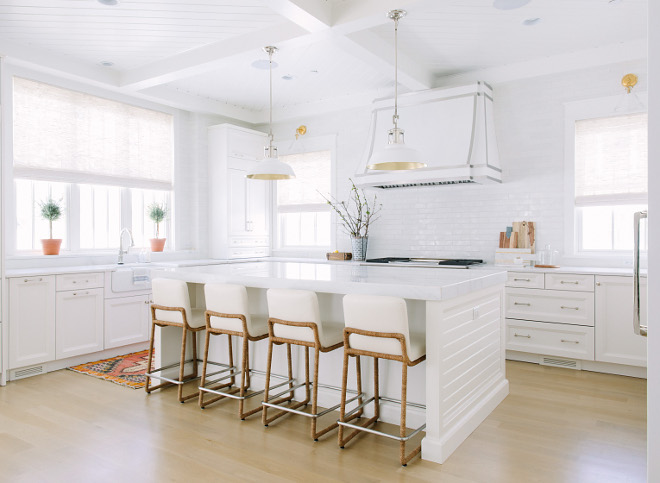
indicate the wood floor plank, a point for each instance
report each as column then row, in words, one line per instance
column 557, row 425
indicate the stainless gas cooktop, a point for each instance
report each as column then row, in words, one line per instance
column 428, row 262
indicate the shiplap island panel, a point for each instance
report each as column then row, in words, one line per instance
column 461, row 312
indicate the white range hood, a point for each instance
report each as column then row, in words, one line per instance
column 452, row 127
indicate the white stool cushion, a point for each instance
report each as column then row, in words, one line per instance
column 228, row 298
column 300, row 306
column 197, row 318
column 174, row 293
column 377, row 313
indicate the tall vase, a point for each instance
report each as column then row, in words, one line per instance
column 359, row 247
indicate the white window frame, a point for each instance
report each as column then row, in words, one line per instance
column 576, row 111
column 8, row 192
column 301, row 146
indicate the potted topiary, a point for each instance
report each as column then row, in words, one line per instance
column 157, row 212
column 51, row 211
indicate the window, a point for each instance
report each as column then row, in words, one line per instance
column 611, row 165
column 303, row 216
column 106, row 160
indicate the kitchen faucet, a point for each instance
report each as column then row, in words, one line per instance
column 120, row 257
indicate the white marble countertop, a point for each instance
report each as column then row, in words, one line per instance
column 27, row 272
column 411, row 283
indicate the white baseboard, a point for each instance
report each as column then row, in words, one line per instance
column 45, row 367
column 593, row 366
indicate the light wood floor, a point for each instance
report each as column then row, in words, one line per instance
column 557, row 425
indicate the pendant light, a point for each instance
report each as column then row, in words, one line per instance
column 396, row 155
column 271, row 168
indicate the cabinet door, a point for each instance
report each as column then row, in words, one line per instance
column 615, row 340
column 237, row 202
column 126, row 320
column 31, row 320
column 258, row 203
column 79, row 322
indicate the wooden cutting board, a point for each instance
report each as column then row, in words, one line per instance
column 510, row 241
column 526, row 232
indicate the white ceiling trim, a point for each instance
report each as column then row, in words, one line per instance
column 371, row 49
column 599, row 56
column 312, row 15
column 204, row 59
column 53, row 63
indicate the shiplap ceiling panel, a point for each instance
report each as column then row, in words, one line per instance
column 132, row 33
column 317, row 71
column 203, row 49
column 458, row 36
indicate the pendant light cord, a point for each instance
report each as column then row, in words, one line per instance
column 395, row 118
column 270, row 122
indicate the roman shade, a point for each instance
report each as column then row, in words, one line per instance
column 70, row 136
column 611, row 160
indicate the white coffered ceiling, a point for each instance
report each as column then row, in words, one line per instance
column 197, row 54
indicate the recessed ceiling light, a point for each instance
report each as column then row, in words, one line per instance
column 106, row 63
column 614, row 2
column 287, row 77
column 532, row 21
column 314, row 71
column 510, row 4
column 108, row 2
column 263, row 64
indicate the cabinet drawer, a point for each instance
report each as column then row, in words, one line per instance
column 249, row 242
column 521, row 279
column 550, row 339
column 77, row 281
column 550, row 306
column 248, row 252
column 566, row 281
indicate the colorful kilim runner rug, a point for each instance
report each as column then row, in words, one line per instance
column 125, row 370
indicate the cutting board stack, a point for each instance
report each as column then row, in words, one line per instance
column 517, row 245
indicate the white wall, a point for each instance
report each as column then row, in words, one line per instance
column 465, row 221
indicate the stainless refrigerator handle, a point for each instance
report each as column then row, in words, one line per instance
column 639, row 329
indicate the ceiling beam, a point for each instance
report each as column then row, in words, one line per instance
column 311, row 15
column 60, row 65
column 206, row 58
column 634, row 50
column 190, row 102
column 374, row 51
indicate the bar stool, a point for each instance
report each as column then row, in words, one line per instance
column 294, row 319
column 377, row 326
column 171, row 307
column 227, row 312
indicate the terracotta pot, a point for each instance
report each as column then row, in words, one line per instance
column 157, row 244
column 51, row 246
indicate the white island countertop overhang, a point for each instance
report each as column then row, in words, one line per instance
column 406, row 282
column 461, row 313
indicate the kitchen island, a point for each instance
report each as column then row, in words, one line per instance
column 460, row 311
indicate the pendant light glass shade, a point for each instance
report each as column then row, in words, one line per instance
column 396, row 156
column 271, row 168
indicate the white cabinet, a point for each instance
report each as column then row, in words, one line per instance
column 31, row 320
column 551, row 339
column 240, row 208
column 126, row 320
column 78, row 322
column 615, row 340
column 560, row 306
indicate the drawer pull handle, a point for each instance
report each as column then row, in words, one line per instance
column 573, row 283
column 523, row 303
column 571, row 341
column 525, row 336
column 522, row 280
column 570, row 308
column 75, row 293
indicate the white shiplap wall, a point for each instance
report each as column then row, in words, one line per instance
column 465, row 221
